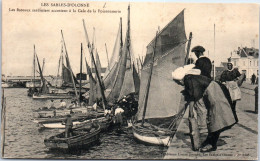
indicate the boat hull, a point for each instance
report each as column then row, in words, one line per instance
column 33, row 84
column 149, row 136
column 80, row 140
column 59, row 112
column 7, row 85
column 57, row 124
column 52, row 96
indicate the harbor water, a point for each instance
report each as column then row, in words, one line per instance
column 24, row 139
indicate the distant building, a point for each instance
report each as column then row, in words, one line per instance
column 246, row 60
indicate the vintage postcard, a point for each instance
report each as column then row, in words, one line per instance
column 129, row 80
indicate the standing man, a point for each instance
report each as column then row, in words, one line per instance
column 204, row 65
column 68, row 126
column 253, row 77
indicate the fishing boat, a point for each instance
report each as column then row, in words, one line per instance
column 67, row 75
column 57, row 121
column 52, row 96
column 126, row 79
column 6, row 84
column 49, row 113
column 80, row 138
column 161, row 103
column 104, row 123
column 65, row 79
column 34, row 86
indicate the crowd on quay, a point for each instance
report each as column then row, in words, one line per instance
column 212, row 104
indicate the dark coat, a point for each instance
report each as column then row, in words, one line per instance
column 195, row 86
column 219, row 115
column 68, row 122
column 229, row 75
column 205, row 66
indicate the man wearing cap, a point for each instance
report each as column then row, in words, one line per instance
column 203, row 67
column 202, row 63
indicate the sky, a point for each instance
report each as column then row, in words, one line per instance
column 236, row 25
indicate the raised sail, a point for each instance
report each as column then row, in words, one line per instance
column 131, row 82
column 67, row 70
column 98, row 64
column 165, row 98
column 44, row 88
column 110, row 74
column 119, row 79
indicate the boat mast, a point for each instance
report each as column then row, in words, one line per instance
column 33, row 66
column 69, row 66
column 80, row 75
column 104, row 101
column 61, row 59
column 108, row 65
column 43, row 63
column 214, row 71
column 188, row 49
column 149, row 79
column 121, row 34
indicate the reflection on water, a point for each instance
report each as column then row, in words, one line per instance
column 23, row 139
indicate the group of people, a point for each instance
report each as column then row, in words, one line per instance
column 213, row 102
column 122, row 111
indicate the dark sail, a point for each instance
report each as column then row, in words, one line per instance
column 66, row 75
column 44, row 89
column 98, row 64
column 165, row 98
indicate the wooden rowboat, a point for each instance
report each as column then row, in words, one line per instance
column 80, row 138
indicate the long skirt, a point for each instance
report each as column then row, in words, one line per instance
column 219, row 116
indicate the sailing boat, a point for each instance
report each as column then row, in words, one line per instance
column 99, row 80
column 33, row 84
column 161, row 103
column 43, row 93
column 131, row 83
column 65, row 79
column 68, row 77
column 126, row 79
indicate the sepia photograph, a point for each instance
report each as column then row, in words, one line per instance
column 129, row 80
